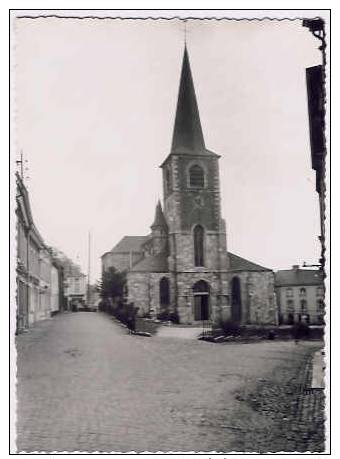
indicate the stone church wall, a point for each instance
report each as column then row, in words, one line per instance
column 257, row 297
column 257, row 294
column 185, row 296
column 185, row 252
column 139, row 291
column 143, row 291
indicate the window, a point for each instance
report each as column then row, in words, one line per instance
column 319, row 291
column 196, row 176
column 164, row 292
column 289, row 292
column 199, row 245
column 320, row 306
column 303, row 305
column 290, row 306
column 302, row 292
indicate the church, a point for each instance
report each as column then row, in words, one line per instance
column 183, row 265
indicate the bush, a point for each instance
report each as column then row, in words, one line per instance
column 168, row 316
column 174, row 317
column 230, row 327
column 300, row 330
column 163, row 315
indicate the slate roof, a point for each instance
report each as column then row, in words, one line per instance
column 291, row 277
column 130, row 244
column 153, row 263
column 241, row 264
column 187, row 130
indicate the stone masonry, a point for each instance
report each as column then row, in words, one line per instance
column 184, row 264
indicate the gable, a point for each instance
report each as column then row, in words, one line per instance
column 237, row 263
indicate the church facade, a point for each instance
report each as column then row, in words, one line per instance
column 183, row 265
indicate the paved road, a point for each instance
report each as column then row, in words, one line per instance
column 85, row 385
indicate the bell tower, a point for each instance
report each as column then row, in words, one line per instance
column 192, row 208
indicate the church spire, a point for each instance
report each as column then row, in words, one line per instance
column 159, row 220
column 188, row 133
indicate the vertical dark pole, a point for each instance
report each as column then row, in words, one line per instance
column 89, row 270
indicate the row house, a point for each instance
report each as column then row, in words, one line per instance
column 39, row 277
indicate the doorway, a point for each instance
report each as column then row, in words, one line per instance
column 201, row 300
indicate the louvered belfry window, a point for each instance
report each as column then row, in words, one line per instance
column 196, row 176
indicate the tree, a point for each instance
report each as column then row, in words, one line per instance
column 112, row 284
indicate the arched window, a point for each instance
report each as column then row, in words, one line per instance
column 164, row 292
column 236, row 300
column 199, row 245
column 196, row 176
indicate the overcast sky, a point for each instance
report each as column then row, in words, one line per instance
column 95, row 107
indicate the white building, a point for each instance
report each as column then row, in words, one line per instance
column 75, row 290
column 300, row 295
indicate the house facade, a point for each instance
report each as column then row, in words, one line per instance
column 183, row 265
column 36, row 281
column 300, row 296
column 75, row 290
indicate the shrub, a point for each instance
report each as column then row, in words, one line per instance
column 168, row 316
column 174, row 317
column 230, row 327
column 163, row 315
column 300, row 330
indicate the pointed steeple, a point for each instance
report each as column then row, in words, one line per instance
column 159, row 220
column 188, row 133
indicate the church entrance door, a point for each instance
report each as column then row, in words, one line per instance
column 236, row 303
column 201, row 301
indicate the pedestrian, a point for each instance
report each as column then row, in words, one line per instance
column 300, row 331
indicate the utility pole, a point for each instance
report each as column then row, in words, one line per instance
column 89, row 270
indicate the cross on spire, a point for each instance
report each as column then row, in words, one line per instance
column 185, row 31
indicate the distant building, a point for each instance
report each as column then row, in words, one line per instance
column 73, row 280
column 36, row 271
column 75, row 290
column 183, row 265
column 300, row 296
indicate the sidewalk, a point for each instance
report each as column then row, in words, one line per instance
column 310, row 413
column 179, row 332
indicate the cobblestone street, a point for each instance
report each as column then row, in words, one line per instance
column 84, row 384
